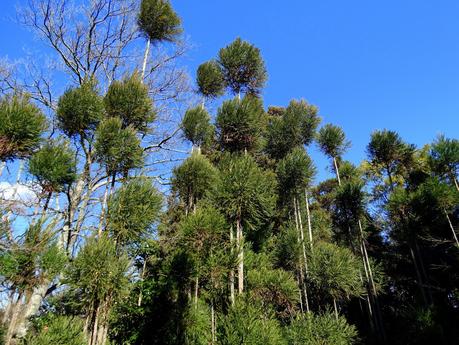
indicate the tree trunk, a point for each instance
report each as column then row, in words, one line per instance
column 231, row 277
column 309, row 219
column 240, row 248
column 452, row 228
column 2, row 166
column 145, row 59
column 336, row 308
column 139, row 300
column 300, row 239
column 337, row 171
column 196, row 291
column 212, row 320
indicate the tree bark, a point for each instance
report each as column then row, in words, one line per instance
column 145, row 59
column 308, row 213
column 337, row 171
column 240, row 246
column 231, row 277
column 451, row 227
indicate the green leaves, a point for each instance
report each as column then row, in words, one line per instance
column 321, row 329
column 243, row 67
column 80, row 109
column 210, row 79
column 117, row 148
column 54, row 166
column 22, row 125
column 194, row 179
column 58, row 330
column 332, row 141
column 158, row 22
column 334, row 272
column 240, row 124
column 128, row 100
column 245, row 191
column 132, row 210
column 99, row 271
column 444, row 157
column 295, row 172
column 291, row 127
column 197, row 127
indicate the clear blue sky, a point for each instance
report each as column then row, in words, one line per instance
column 366, row 64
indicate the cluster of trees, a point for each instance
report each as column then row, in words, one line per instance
column 240, row 245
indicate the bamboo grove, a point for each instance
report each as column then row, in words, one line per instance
column 114, row 233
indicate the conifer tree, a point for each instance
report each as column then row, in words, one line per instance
column 332, row 142
column 158, row 23
column 210, row 79
column 243, row 67
column 22, row 126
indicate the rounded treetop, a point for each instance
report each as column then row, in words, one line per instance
column 158, row 21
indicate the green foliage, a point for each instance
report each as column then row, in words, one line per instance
column 132, row 210
column 27, row 263
column 387, row 151
column 194, row 179
column 245, row 191
column 444, row 157
column 128, row 100
column 98, row 272
column 323, row 329
column 270, row 286
column 158, row 21
column 198, row 325
column 249, row 324
column 197, row 127
column 334, row 271
column 240, row 124
column 54, row 166
column 58, row 330
column 210, row 79
column 243, row 67
column 294, row 126
column 22, row 125
column 332, row 141
column 117, row 149
column 295, row 172
column 80, row 109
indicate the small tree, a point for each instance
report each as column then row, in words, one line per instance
column 54, row 167
column 444, row 158
column 194, row 179
column 240, row 124
column 210, row 79
column 243, row 67
column 80, row 110
column 332, row 142
column 128, row 100
column 132, row 211
column 157, row 22
column 197, row 127
column 388, row 152
column 22, row 125
column 117, row 148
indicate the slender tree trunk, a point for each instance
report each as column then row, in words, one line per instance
column 306, row 198
column 300, row 290
column 336, row 308
column 212, row 320
column 424, row 272
column 452, row 228
column 14, row 315
column 337, row 171
column 103, row 210
column 142, row 276
column 231, row 277
column 196, row 291
column 300, row 240
column 145, row 59
column 240, row 246
column 456, row 183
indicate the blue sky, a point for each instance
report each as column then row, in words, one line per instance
column 366, row 64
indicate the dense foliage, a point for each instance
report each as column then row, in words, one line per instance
column 231, row 241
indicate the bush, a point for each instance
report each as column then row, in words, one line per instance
column 57, row 330
column 22, row 125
